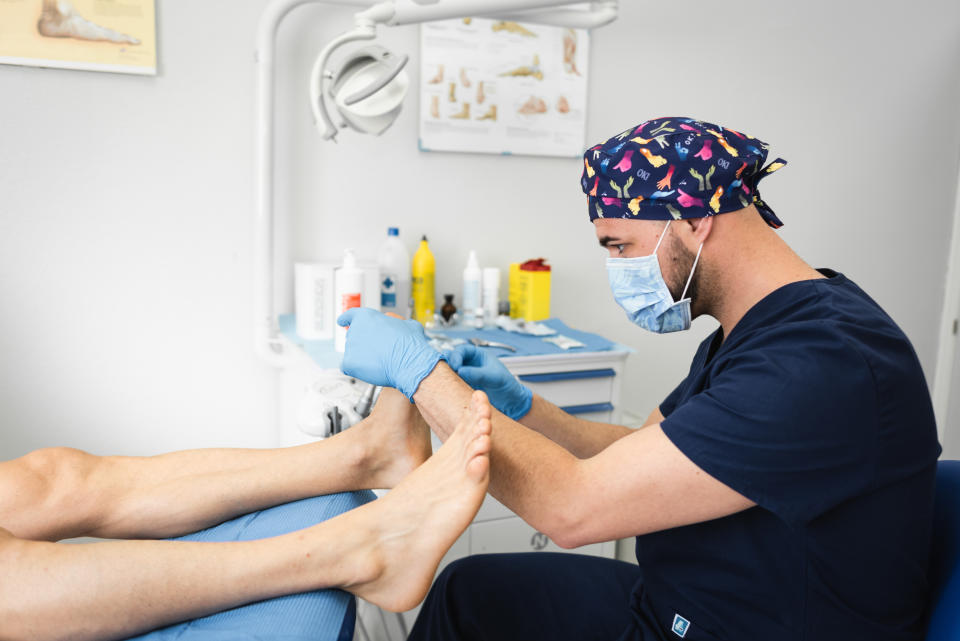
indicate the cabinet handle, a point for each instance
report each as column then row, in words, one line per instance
column 585, row 409
column 567, row 376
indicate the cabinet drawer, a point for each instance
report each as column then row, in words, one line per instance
column 572, row 388
column 515, row 535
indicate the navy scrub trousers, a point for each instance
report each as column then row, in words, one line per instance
column 533, row 596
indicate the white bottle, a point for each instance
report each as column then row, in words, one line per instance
column 471, row 289
column 394, row 262
column 491, row 295
column 348, row 293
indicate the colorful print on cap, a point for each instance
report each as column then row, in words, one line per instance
column 674, row 168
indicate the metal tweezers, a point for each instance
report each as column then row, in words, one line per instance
column 479, row 342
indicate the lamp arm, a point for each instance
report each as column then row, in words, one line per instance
column 410, row 12
column 598, row 15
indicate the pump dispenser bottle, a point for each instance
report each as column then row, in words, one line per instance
column 348, row 288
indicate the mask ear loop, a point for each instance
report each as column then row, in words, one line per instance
column 660, row 240
column 692, row 269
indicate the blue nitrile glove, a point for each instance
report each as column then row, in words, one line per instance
column 386, row 351
column 483, row 371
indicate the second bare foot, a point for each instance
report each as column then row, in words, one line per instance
column 401, row 538
column 395, row 438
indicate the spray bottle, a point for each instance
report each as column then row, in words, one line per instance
column 471, row 289
column 422, row 283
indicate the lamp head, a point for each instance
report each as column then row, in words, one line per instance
column 367, row 88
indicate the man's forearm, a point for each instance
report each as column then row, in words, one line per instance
column 582, row 438
column 530, row 474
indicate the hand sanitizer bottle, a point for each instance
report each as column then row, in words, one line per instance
column 394, row 261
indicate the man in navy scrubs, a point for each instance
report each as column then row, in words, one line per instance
column 783, row 491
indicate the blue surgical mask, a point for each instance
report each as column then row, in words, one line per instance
column 639, row 288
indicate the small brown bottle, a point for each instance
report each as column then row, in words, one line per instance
column 448, row 309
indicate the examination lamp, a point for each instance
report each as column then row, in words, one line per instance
column 364, row 89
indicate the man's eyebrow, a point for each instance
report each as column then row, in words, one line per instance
column 607, row 240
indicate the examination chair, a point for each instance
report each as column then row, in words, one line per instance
column 323, row 615
column 944, row 606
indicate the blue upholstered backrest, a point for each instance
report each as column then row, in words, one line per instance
column 945, row 556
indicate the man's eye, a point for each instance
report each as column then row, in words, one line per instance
column 620, row 248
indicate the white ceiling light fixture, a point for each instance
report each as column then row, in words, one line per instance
column 365, row 91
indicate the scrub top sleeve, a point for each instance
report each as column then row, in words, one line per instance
column 670, row 402
column 789, row 420
column 672, row 399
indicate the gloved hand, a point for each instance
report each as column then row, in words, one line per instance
column 386, row 351
column 483, row 371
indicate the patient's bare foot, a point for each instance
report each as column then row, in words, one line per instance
column 395, row 437
column 60, row 20
column 398, row 540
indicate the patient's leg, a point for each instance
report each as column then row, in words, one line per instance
column 59, row 493
column 373, row 454
column 385, row 551
column 60, row 20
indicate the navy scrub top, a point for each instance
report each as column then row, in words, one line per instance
column 815, row 408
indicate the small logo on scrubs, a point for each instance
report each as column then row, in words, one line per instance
column 539, row 541
column 680, row 626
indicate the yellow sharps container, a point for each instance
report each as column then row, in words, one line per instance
column 533, row 290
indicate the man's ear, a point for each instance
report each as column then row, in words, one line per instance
column 697, row 230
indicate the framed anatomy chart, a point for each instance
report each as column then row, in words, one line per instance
column 496, row 86
column 94, row 35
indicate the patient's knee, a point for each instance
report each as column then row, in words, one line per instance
column 58, row 464
column 57, row 475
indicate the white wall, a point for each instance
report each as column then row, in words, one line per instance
column 126, row 248
column 126, row 203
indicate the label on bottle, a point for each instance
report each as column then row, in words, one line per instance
column 349, row 301
column 471, row 294
column 388, row 290
column 423, row 298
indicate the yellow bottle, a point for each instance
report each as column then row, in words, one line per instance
column 422, row 283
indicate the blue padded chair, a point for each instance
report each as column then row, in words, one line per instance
column 945, row 556
column 323, row 615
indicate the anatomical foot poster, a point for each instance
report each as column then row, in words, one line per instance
column 496, row 86
column 93, row 35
